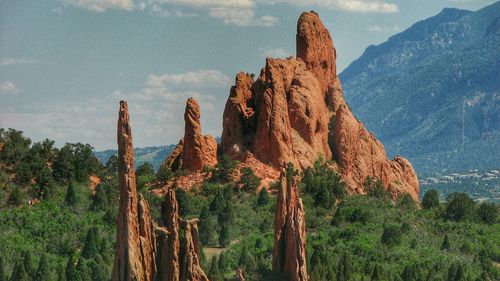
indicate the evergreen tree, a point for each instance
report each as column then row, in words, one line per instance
column 91, row 247
column 99, row 269
column 214, row 273
column 2, row 270
column 15, row 197
column 71, row 198
column 431, row 199
column 223, row 262
column 61, row 275
column 488, row 212
column 28, row 264
column 460, row 207
column 42, row 273
column 446, row 244
column 224, row 236
column 344, row 272
column 19, row 273
column 100, row 200
column 323, row 196
column 246, row 260
column 263, row 198
column 483, row 277
column 182, row 201
column 83, row 273
column 207, row 227
column 70, row 269
column 249, row 180
column 377, row 273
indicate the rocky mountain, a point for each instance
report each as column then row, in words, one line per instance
column 155, row 155
column 432, row 92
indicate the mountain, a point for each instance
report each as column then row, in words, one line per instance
column 154, row 155
column 432, row 92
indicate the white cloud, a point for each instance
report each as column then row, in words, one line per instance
column 14, row 61
column 379, row 28
column 8, row 87
column 193, row 79
column 102, row 5
column 231, row 12
column 361, row 6
column 275, row 53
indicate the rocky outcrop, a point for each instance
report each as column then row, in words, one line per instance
column 295, row 112
column 176, row 260
column 195, row 150
column 289, row 253
column 135, row 257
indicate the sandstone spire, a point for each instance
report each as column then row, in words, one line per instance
column 289, row 253
column 135, row 239
column 195, row 150
column 178, row 261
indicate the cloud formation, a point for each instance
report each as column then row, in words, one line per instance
column 8, row 87
column 275, row 53
column 359, row 6
column 380, row 28
column 102, row 5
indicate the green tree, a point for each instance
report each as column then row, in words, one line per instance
column 70, row 269
column 411, row 272
column 2, row 270
column 214, row 273
column 15, row 197
column 246, row 261
column 28, row 264
column 182, row 201
column 61, row 275
column 71, row 198
column 224, row 170
column 223, row 262
column 263, row 198
column 145, row 169
column 445, row 246
column 392, row 235
column 207, row 227
column 323, row 197
column 249, row 180
column 377, row 274
column 23, row 173
column 19, row 273
column 224, row 236
column 43, row 273
column 91, row 246
column 431, row 199
column 344, row 272
column 100, row 199
column 488, row 212
column 378, row 190
column 460, row 207
column 83, row 272
column 15, row 146
column 99, row 269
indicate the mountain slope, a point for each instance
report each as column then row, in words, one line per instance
column 154, row 155
column 432, row 92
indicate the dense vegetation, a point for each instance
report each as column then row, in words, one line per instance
column 69, row 234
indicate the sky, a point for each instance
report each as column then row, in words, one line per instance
column 65, row 64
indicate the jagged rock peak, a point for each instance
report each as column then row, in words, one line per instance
column 178, row 261
column 195, row 150
column 135, row 257
column 315, row 48
column 289, row 253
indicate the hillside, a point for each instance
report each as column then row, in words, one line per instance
column 432, row 92
column 154, row 155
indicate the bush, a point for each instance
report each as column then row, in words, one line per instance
column 392, row 235
column 488, row 212
column 223, row 171
column 431, row 199
column 249, row 180
column 263, row 198
column 460, row 207
column 145, row 169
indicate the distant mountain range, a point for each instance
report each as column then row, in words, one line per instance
column 432, row 92
column 154, row 155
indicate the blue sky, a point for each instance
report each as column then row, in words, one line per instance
column 65, row 64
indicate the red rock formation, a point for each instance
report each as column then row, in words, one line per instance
column 284, row 116
column 194, row 151
column 289, row 253
column 135, row 239
column 199, row 150
column 176, row 260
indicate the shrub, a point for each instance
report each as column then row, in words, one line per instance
column 249, row 180
column 487, row 212
column 431, row 199
column 392, row 235
column 460, row 207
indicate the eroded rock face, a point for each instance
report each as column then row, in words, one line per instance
column 178, row 261
column 289, row 253
column 295, row 112
column 135, row 257
column 174, row 160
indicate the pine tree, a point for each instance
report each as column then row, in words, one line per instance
column 323, row 196
column 91, row 247
column 71, row 198
column 222, row 263
column 224, row 236
column 19, row 273
column 61, row 275
column 2, row 270
column 446, row 244
column 207, row 227
column 431, row 199
column 377, row 273
column 82, row 271
column 246, row 259
column 214, row 274
column 263, row 198
column 483, row 277
column 99, row 269
column 28, row 264
column 42, row 273
column 100, row 200
column 70, row 269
